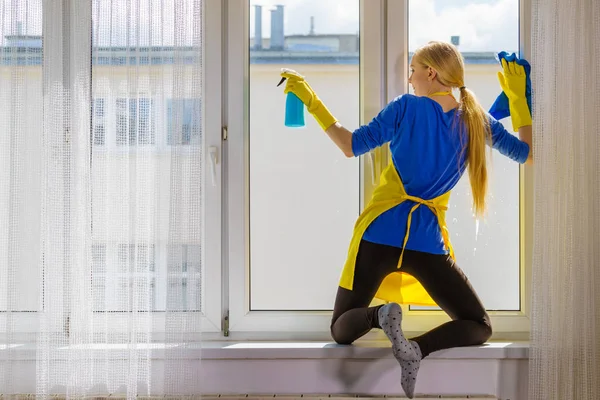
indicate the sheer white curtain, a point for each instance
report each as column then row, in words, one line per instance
column 565, row 354
column 21, row 107
column 101, row 194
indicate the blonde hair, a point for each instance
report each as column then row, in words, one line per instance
column 447, row 61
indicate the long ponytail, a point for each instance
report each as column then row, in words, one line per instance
column 477, row 127
column 449, row 64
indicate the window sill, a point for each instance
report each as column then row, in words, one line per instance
column 367, row 368
column 497, row 369
column 367, row 349
column 231, row 350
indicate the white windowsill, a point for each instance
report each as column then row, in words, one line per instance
column 361, row 349
column 498, row 369
column 230, row 350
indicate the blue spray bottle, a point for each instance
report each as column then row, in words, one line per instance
column 294, row 110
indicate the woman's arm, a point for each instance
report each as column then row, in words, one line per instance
column 380, row 130
column 516, row 148
column 342, row 137
column 367, row 137
column 525, row 134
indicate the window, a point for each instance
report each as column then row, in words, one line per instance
column 99, row 281
column 300, row 182
column 279, row 239
column 156, row 210
column 136, row 264
column 487, row 250
column 136, row 258
column 135, row 121
column 134, row 194
column 98, row 125
column 293, row 199
column 183, row 124
column 188, row 279
column 21, row 96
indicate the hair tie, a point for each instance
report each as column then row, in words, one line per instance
column 462, row 88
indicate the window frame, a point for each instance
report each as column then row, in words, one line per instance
column 226, row 226
column 507, row 325
column 211, row 122
column 279, row 324
column 27, row 322
column 384, row 75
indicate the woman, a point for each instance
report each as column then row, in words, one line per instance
column 400, row 251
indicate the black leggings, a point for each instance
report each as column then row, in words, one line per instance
column 440, row 276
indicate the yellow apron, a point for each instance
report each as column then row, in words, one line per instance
column 397, row 287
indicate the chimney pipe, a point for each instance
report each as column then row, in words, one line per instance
column 277, row 32
column 258, row 27
column 312, row 26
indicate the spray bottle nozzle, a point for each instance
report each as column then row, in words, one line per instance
column 281, row 81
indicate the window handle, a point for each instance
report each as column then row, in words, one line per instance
column 212, row 150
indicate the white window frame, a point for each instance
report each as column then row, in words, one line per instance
column 507, row 325
column 384, row 75
column 212, row 283
column 211, row 313
column 212, row 76
column 25, row 323
column 278, row 324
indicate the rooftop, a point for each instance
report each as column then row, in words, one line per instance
column 27, row 50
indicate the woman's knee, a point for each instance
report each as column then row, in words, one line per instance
column 486, row 328
column 340, row 337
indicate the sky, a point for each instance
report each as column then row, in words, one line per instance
column 483, row 25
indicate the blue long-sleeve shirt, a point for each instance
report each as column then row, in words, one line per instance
column 427, row 151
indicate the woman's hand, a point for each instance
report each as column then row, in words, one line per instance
column 513, row 81
column 298, row 86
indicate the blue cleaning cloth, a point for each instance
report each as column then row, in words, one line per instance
column 500, row 108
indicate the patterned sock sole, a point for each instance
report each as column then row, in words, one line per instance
column 390, row 319
column 410, row 369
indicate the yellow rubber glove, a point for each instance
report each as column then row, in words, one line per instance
column 513, row 81
column 298, row 86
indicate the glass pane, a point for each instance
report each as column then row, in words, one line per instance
column 21, row 106
column 147, row 150
column 304, row 193
column 487, row 250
